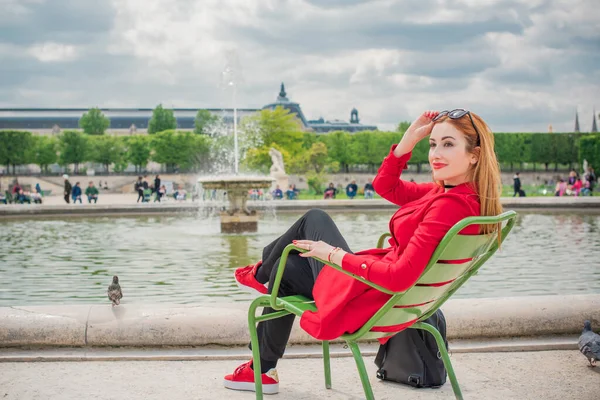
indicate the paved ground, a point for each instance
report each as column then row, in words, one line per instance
column 524, row 375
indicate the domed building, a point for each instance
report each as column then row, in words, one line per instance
column 319, row 125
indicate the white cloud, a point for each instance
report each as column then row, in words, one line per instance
column 521, row 64
column 53, row 52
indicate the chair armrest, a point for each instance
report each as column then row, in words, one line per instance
column 382, row 238
column 281, row 267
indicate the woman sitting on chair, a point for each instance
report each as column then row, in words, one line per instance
column 466, row 182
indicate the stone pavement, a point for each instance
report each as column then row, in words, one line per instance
column 521, row 375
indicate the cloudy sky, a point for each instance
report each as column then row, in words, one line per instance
column 520, row 64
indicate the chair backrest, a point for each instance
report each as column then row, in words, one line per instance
column 455, row 260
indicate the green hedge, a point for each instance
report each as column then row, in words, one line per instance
column 193, row 152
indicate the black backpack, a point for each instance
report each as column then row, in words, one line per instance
column 412, row 356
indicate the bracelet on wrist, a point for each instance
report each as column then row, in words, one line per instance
column 332, row 252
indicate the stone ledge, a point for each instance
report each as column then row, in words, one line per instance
column 29, row 210
column 148, row 325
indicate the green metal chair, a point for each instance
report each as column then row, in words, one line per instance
column 473, row 249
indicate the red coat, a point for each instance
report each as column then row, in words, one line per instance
column 345, row 304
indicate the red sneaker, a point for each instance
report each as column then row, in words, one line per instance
column 243, row 379
column 247, row 276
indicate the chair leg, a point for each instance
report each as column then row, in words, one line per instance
column 444, row 353
column 360, row 365
column 255, row 348
column 326, row 364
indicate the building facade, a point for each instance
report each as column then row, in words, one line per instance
column 129, row 121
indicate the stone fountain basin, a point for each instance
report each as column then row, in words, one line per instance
column 236, row 182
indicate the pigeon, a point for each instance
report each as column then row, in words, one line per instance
column 114, row 291
column 589, row 344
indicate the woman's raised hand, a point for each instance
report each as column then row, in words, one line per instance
column 417, row 131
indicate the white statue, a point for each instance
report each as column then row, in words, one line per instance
column 277, row 169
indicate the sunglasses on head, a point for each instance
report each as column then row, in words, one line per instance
column 458, row 113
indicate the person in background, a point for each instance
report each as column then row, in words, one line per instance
column 76, row 193
column 160, row 192
column 156, row 183
column 591, row 179
column 516, row 185
column 278, row 193
column 139, row 188
column 36, row 197
column 16, row 188
column 577, row 186
column 145, row 184
column 91, row 192
column 369, row 190
column 68, row 188
column 290, row 193
column 38, row 188
column 571, row 180
column 561, row 188
column 3, row 198
column 181, row 194
column 330, row 192
column 351, row 190
column 23, row 197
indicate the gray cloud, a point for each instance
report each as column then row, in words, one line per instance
column 69, row 21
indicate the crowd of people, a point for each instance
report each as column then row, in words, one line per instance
column 576, row 185
column 351, row 190
column 573, row 185
column 75, row 193
column 20, row 195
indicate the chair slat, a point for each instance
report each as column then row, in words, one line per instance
column 396, row 316
column 439, row 272
column 376, row 335
column 422, row 294
column 467, row 246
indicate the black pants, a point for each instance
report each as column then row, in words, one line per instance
column 140, row 196
column 67, row 198
column 298, row 278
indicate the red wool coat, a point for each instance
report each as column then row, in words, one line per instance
column 345, row 304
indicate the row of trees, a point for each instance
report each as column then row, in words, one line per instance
column 303, row 152
column 182, row 149
column 94, row 122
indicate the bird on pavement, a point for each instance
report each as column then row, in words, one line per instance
column 114, row 291
column 589, row 344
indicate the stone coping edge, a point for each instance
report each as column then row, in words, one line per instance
column 211, row 353
column 525, row 203
column 154, row 325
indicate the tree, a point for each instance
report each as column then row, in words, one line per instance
column 182, row 149
column 16, row 148
column 338, row 148
column 277, row 126
column 137, row 151
column 317, row 157
column 106, row 150
column 204, row 121
column 403, row 126
column 73, row 147
column 45, row 151
column 162, row 120
column 94, row 122
column 589, row 150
